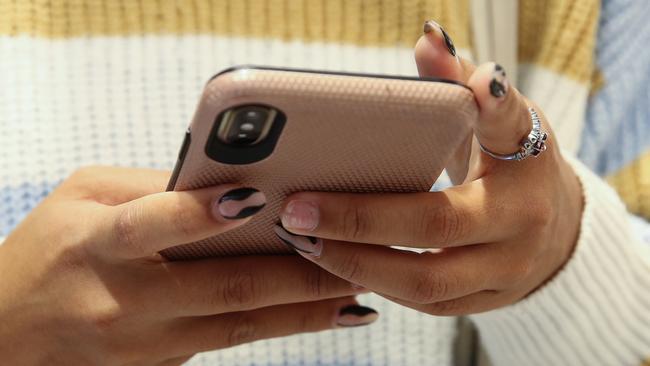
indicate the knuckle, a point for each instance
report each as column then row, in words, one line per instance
column 242, row 330
column 429, row 287
column 127, row 226
column 79, row 180
column 445, row 225
column 241, row 290
column 351, row 268
column 448, row 308
column 521, row 270
column 182, row 219
column 103, row 318
column 355, row 222
column 315, row 283
column 85, row 173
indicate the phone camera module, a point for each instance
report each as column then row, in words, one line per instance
column 247, row 125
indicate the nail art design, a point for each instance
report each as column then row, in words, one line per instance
column 356, row 315
column 240, row 203
column 303, row 244
column 430, row 25
column 499, row 84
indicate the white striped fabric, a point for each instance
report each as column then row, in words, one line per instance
column 596, row 311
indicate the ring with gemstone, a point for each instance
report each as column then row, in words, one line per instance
column 532, row 145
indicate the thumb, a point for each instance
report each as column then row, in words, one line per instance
column 504, row 117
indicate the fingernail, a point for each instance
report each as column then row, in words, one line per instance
column 302, row 215
column 499, row 85
column 240, row 203
column 303, row 244
column 356, row 315
column 430, row 26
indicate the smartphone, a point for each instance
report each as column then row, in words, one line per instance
column 286, row 130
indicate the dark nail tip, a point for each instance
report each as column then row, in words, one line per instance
column 497, row 89
column 289, row 244
column 246, row 212
column 449, row 42
column 238, row 194
column 498, row 68
column 357, row 310
column 428, row 26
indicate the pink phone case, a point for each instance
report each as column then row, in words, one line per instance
column 343, row 132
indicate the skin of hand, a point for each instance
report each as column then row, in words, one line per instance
column 82, row 285
column 506, row 229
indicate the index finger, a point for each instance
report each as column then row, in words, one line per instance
column 457, row 216
column 434, row 57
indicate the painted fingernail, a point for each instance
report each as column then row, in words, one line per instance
column 499, row 85
column 430, row 26
column 302, row 215
column 303, row 244
column 356, row 315
column 240, row 203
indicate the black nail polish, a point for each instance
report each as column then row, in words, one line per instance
column 241, row 203
column 499, row 84
column 449, row 42
column 301, row 243
column 356, row 315
column 430, row 25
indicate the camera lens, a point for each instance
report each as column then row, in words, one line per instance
column 246, row 125
column 253, row 116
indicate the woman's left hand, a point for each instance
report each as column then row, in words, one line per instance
column 501, row 234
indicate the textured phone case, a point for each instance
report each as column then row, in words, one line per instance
column 342, row 133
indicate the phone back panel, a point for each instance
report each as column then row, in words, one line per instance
column 342, row 133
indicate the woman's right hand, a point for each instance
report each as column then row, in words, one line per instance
column 81, row 283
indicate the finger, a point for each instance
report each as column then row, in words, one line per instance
column 421, row 278
column 114, row 185
column 435, row 58
column 471, row 304
column 504, row 119
column 222, row 331
column 222, row 285
column 457, row 216
column 158, row 221
column 436, row 55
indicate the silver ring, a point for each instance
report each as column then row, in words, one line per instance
column 532, row 145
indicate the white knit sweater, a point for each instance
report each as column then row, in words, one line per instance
column 126, row 101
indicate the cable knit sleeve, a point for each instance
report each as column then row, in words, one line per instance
column 596, row 310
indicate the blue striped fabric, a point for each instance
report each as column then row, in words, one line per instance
column 16, row 202
column 617, row 129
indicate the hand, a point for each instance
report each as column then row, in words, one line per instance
column 501, row 234
column 81, row 283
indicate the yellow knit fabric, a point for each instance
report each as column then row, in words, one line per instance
column 559, row 35
column 363, row 22
column 633, row 184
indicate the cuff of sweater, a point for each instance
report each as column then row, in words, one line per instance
column 595, row 310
